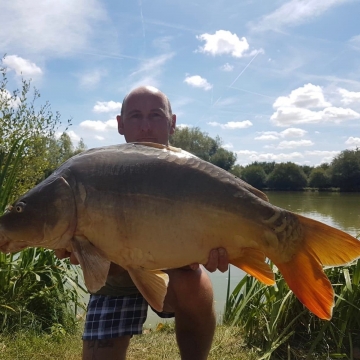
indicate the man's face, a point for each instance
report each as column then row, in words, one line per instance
column 146, row 118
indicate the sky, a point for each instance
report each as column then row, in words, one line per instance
column 276, row 80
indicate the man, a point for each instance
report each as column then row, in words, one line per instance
column 118, row 311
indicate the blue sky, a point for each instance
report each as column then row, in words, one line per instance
column 276, row 80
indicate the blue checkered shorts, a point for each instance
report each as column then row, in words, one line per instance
column 113, row 316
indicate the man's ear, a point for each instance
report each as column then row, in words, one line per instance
column 120, row 125
column 173, row 124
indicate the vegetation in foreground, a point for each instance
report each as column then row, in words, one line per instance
column 153, row 345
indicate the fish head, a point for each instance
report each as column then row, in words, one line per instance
column 43, row 217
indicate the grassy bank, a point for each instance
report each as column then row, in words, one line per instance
column 153, row 345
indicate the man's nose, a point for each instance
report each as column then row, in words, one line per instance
column 145, row 124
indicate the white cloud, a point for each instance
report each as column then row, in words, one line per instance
column 307, row 96
column 293, row 144
column 285, row 116
column 349, row 97
column 295, row 108
column 223, row 42
column 353, row 141
column 232, row 124
column 227, row 67
column 321, row 153
column 227, row 146
column 7, row 98
column 355, row 41
column 293, row 13
column 75, row 138
column 21, row 66
column 246, row 156
column 287, row 133
column 198, row 81
column 97, row 125
column 182, row 126
column 107, row 106
column 50, row 27
column 268, row 135
column 91, row 78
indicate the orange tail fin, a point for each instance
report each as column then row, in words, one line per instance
column 323, row 245
column 253, row 262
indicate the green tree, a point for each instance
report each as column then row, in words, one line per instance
column 307, row 169
column 22, row 118
column 267, row 166
column 254, row 175
column 236, row 170
column 345, row 170
column 287, row 176
column 202, row 145
column 319, row 178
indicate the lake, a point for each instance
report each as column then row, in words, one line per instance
column 340, row 210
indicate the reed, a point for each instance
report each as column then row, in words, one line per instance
column 37, row 290
column 278, row 325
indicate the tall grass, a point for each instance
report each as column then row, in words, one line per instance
column 37, row 291
column 280, row 326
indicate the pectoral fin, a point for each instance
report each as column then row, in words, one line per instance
column 93, row 262
column 253, row 262
column 152, row 284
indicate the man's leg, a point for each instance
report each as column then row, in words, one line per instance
column 110, row 321
column 114, row 349
column 190, row 296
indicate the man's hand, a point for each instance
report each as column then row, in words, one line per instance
column 63, row 253
column 218, row 260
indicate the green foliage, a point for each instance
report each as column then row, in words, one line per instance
column 287, row 176
column 267, row 166
column 202, row 145
column 319, row 178
column 22, row 118
column 254, row 175
column 276, row 322
column 236, row 170
column 60, row 150
column 37, row 291
column 345, row 170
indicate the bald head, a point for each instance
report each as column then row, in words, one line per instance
column 150, row 91
column 146, row 116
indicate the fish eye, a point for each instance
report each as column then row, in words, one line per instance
column 20, row 206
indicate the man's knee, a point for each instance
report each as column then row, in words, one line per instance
column 189, row 288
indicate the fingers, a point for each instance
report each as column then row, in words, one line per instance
column 63, row 254
column 73, row 259
column 218, row 259
column 223, row 263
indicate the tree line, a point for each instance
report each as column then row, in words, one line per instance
column 342, row 173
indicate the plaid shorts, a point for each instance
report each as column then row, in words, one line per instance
column 113, row 316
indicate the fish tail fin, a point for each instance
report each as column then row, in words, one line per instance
column 253, row 262
column 323, row 245
column 333, row 247
column 307, row 280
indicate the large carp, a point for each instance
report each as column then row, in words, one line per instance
column 149, row 207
